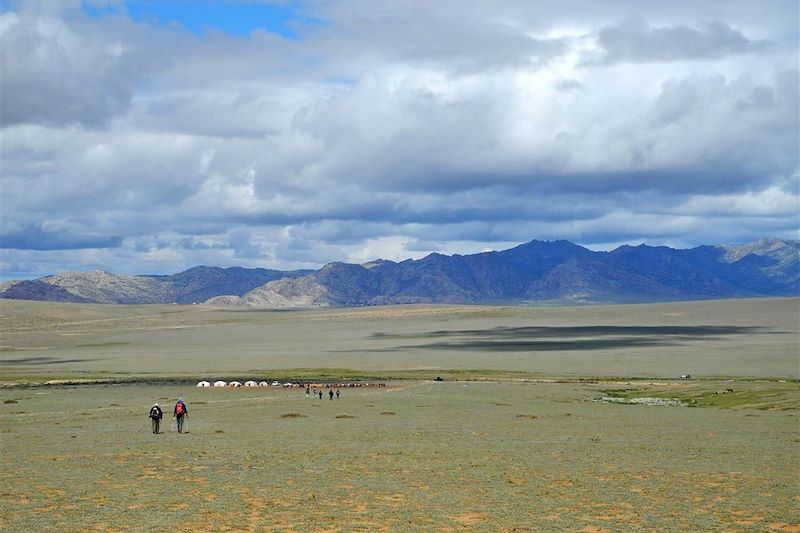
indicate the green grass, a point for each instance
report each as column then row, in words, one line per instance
column 488, row 457
column 101, row 344
column 724, row 394
column 512, row 439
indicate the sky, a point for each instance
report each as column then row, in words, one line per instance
column 147, row 137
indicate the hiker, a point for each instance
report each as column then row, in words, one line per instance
column 337, row 394
column 308, row 391
column 179, row 413
column 156, row 414
column 330, row 394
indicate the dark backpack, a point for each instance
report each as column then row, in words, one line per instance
column 154, row 412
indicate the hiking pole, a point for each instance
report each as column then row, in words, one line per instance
column 172, row 426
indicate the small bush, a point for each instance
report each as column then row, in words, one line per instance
column 345, row 416
column 388, row 413
column 293, row 415
column 532, row 417
column 10, row 401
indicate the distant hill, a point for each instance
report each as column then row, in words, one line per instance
column 195, row 285
column 536, row 272
column 39, row 290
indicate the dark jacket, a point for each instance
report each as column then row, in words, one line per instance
column 155, row 412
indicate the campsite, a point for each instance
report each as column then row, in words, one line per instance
column 545, row 418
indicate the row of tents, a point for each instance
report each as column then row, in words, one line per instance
column 251, row 383
column 221, row 383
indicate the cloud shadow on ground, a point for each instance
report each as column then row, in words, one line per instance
column 565, row 338
column 39, row 361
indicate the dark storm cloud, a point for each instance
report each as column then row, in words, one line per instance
column 35, row 238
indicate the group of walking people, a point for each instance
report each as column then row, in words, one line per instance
column 318, row 393
column 179, row 413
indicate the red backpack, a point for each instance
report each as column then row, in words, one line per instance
column 179, row 408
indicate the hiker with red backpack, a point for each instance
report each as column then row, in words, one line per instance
column 179, row 413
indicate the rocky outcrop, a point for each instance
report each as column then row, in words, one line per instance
column 192, row 286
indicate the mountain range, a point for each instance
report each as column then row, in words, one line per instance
column 531, row 273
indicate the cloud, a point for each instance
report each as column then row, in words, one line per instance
column 773, row 201
column 60, row 68
column 393, row 128
column 37, row 238
column 392, row 248
column 633, row 39
column 459, row 38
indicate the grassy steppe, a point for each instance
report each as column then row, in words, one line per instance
column 414, row 456
column 526, row 447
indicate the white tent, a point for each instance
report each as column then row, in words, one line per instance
column 203, row 384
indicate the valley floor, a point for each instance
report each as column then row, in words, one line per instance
column 548, row 419
column 412, row 456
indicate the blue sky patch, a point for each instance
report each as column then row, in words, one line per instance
column 199, row 16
